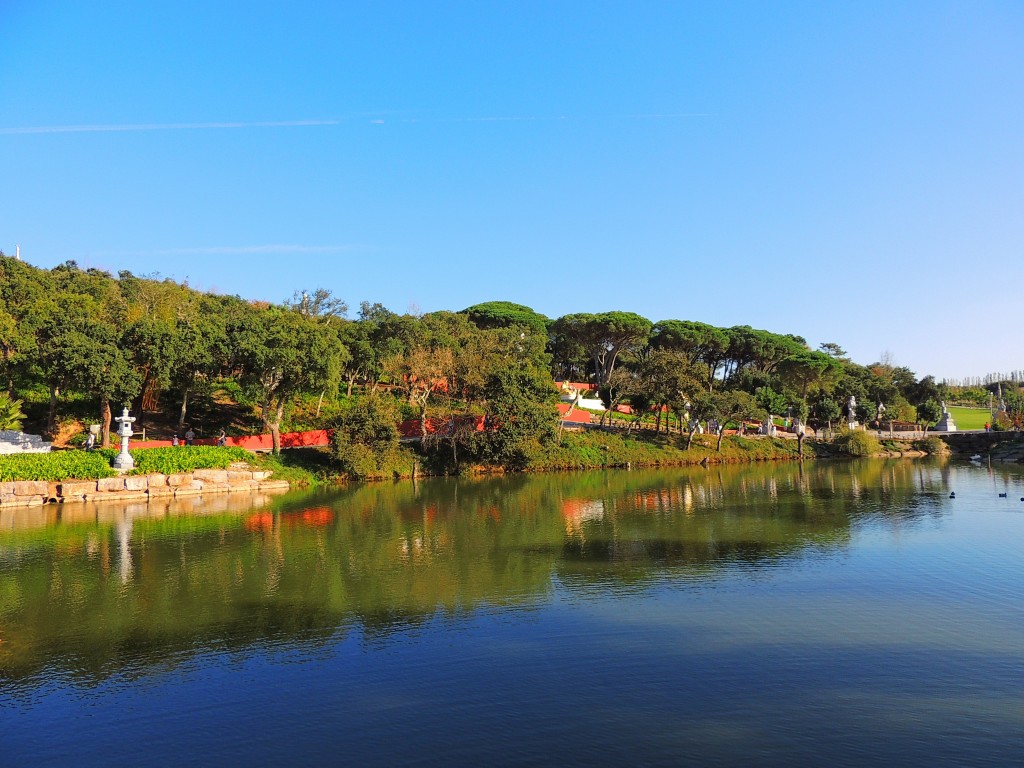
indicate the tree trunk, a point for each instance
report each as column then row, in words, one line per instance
column 320, row 402
column 184, row 410
column 272, row 417
column 105, row 418
column 51, row 416
column 689, row 438
column 563, row 417
column 800, row 444
column 423, row 422
column 275, row 428
column 721, row 434
column 351, row 381
column 137, row 408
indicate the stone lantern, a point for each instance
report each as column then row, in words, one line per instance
column 124, row 460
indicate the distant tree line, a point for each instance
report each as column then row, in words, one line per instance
column 82, row 334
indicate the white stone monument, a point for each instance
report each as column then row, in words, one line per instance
column 946, row 423
column 851, row 411
column 18, row 442
column 124, row 460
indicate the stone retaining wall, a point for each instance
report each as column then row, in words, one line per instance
column 971, row 443
column 35, row 493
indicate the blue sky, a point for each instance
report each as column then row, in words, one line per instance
column 850, row 172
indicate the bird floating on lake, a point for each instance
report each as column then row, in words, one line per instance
column 1002, row 495
column 952, row 495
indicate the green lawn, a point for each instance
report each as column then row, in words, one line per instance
column 970, row 418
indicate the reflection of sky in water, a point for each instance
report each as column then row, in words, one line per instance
column 732, row 617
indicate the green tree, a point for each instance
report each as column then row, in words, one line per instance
column 733, row 406
column 700, row 342
column 824, row 411
column 805, row 370
column 421, row 373
column 927, row 413
column 365, row 438
column 286, row 354
column 201, row 349
column 505, row 314
column 520, row 415
column 603, row 337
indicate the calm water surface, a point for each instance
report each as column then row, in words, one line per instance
column 845, row 614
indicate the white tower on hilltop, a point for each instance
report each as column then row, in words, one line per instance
column 17, row 252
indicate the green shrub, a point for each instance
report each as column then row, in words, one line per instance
column 299, row 466
column 933, row 446
column 55, row 466
column 365, row 439
column 857, row 442
column 185, row 458
column 168, row 461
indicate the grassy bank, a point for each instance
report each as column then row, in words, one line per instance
column 970, row 418
column 596, row 449
column 591, row 449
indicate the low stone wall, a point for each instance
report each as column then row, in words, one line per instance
column 971, row 443
column 35, row 493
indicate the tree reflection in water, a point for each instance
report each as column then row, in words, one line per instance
column 94, row 591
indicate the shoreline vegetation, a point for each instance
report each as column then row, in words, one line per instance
column 578, row 451
column 485, row 389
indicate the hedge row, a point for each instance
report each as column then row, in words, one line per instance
column 67, row 465
column 185, row 458
column 56, row 466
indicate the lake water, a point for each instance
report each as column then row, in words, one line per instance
column 843, row 614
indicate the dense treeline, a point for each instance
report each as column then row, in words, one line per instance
column 73, row 339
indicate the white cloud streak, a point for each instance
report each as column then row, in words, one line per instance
column 227, row 125
column 130, row 127
column 249, row 250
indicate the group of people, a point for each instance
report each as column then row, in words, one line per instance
column 190, row 438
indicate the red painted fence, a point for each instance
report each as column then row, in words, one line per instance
column 312, row 439
column 321, row 437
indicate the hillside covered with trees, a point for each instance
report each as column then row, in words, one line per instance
column 77, row 344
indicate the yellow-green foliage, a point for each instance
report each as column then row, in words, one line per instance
column 858, row 443
column 185, row 458
column 68, row 465
column 59, row 465
column 932, row 445
column 595, row 449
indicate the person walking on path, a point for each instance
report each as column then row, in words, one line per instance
column 190, row 437
column 222, row 438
